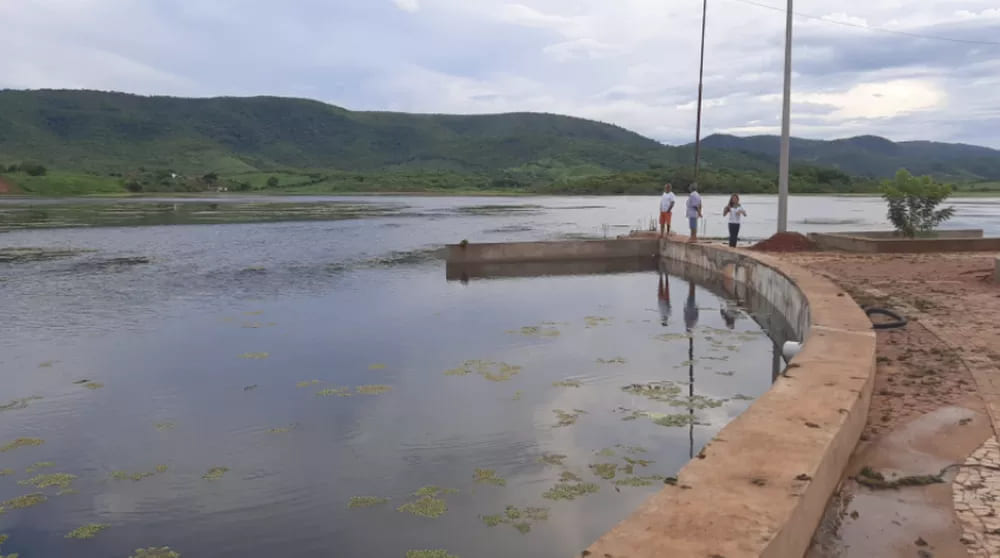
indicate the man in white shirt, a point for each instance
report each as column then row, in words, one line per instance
column 694, row 211
column 667, row 201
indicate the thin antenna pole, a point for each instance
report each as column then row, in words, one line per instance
column 701, row 76
column 785, row 128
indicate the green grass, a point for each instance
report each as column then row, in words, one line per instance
column 62, row 183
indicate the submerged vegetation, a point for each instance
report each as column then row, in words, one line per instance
column 492, row 371
column 255, row 356
column 306, row 383
column 136, row 477
column 21, row 502
column 40, row 465
column 373, row 389
column 338, row 392
column 155, row 552
column 488, row 476
column 554, row 459
column 60, row 480
column 429, row 554
column 87, row 531
column 536, row 331
column 18, row 404
column 567, row 383
column 21, row 443
column 567, row 418
column 164, row 426
column 215, row 473
column 366, row 502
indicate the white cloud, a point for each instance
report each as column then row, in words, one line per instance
column 407, row 5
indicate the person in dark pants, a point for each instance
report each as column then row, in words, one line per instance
column 736, row 213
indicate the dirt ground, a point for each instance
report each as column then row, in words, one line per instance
column 930, row 413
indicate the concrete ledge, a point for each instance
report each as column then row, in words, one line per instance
column 760, row 487
column 511, row 252
column 996, row 271
column 891, row 242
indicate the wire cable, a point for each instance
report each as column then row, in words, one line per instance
column 868, row 28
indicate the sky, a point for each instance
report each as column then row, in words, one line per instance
column 633, row 63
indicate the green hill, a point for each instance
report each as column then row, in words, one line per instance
column 873, row 156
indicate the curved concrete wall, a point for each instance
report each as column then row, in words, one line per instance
column 760, row 487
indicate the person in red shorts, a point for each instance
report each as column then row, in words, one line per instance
column 667, row 201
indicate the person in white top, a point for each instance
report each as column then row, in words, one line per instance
column 667, row 201
column 736, row 214
column 694, row 211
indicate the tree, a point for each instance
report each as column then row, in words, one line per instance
column 33, row 169
column 210, row 178
column 913, row 202
column 272, row 182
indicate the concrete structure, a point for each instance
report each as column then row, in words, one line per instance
column 760, row 488
column 510, row 252
column 996, row 271
column 884, row 242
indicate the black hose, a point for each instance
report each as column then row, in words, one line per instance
column 899, row 321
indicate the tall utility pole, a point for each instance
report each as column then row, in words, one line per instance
column 785, row 128
column 701, row 75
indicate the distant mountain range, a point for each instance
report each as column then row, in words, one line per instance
column 110, row 133
column 873, row 156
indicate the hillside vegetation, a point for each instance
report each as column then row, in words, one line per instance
column 68, row 142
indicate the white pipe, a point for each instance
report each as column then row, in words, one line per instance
column 790, row 349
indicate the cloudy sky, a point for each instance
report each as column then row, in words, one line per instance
column 630, row 62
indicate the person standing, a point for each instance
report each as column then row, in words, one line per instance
column 736, row 214
column 667, row 201
column 694, row 211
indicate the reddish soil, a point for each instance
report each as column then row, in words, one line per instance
column 785, row 242
column 6, row 187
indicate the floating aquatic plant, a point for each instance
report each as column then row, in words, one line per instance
column 604, row 470
column 6, row 472
column 615, row 360
column 426, row 506
column 432, row 490
column 61, row 480
column 339, row 392
column 136, row 477
column 154, row 552
column 254, row 313
column 536, row 331
column 519, row 518
column 568, row 383
column 21, row 443
column 280, row 430
column 18, row 404
column 517, row 395
column 679, row 419
column 570, row 491
column 696, row 402
column 567, row 418
column 606, row 452
column 373, row 389
column 48, row 363
column 255, row 356
column 306, row 383
column 741, row 397
column 569, row 476
column 164, row 426
column 657, row 391
column 376, row 366
column 87, row 531
column 92, row 385
column 425, row 554
column 555, row 459
column 639, row 462
column 40, row 465
column 366, row 502
column 489, row 476
column 639, row 481
column 633, row 449
column 673, row 336
column 594, row 321
column 727, row 373
column 21, row 502
column 215, row 473
column 252, row 325
column 492, row 371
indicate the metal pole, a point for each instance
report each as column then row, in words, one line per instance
column 785, row 128
column 701, row 75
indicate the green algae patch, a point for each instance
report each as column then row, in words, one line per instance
column 679, row 419
column 18, row 404
column 488, row 476
column 490, row 370
column 155, row 552
column 21, row 443
column 376, row 366
column 569, row 476
column 87, row 531
column 39, row 466
column 332, row 392
column 568, row 383
column 565, row 418
column 657, row 391
column 136, row 477
column 255, row 356
column 215, row 473
column 427, row 554
column 426, row 506
column 91, row 385
column 6, row 472
column 639, row 481
column 21, row 502
column 164, row 426
column 554, row 459
column 376, row 389
column 570, row 490
column 60, row 480
column 615, row 360
column 604, row 470
column 306, row 383
column 365, row 502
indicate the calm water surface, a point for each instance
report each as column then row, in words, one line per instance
column 164, row 319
